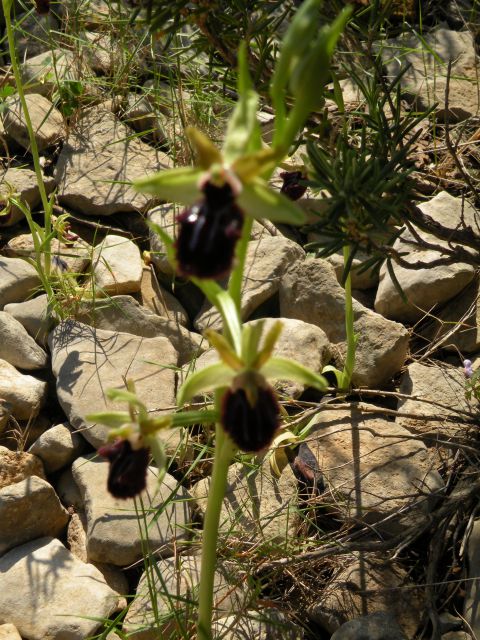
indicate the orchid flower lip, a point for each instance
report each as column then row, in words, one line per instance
column 220, row 175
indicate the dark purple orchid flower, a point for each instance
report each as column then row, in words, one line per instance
column 127, row 476
column 291, row 184
column 252, row 427
column 209, row 231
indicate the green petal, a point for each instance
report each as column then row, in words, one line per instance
column 112, row 419
column 213, row 377
column 283, row 369
column 259, row 201
column 173, row 185
column 206, row 152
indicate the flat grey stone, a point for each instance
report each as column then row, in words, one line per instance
column 117, row 266
column 17, row 347
column 157, row 299
column 42, row 73
column 29, row 509
column 179, row 581
column 252, row 625
column 74, row 256
column 113, row 534
column 18, row 280
column 21, row 184
column 33, row 315
column 373, row 472
column 58, row 446
column 9, row 632
column 310, row 292
column 376, row 626
column 48, row 593
column 47, row 121
column 98, row 160
column 123, row 313
column 87, row 361
column 427, row 287
column 16, row 466
column 268, row 258
column 24, row 393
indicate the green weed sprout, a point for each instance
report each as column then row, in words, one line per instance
column 223, row 193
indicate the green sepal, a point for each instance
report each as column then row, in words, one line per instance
column 206, row 152
column 268, row 345
column 224, row 302
column 111, row 419
column 212, row 377
column 243, row 131
column 189, row 418
column 173, row 185
column 283, row 369
column 251, row 335
column 259, row 201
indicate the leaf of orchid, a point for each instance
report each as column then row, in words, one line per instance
column 112, row 419
column 250, row 165
column 283, row 369
column 259, row 201
column 278, row 458
column 243, row 131
column 268, row 344
column 213, row 377
column 339, row 375
column 224, row 302
column 172, row 185
column 206, row 152
column 167, row 241
column 224, row 348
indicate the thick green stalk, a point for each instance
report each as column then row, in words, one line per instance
column 7, row 4
column 224, row 450
column 351, row 337
column 236, row 279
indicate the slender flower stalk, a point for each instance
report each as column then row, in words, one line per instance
column 349, row 329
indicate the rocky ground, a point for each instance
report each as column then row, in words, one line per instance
column 370, row 531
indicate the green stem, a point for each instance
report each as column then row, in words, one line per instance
column 349, row 318
column 224, row 450
column 7, row 4
column 236, row 279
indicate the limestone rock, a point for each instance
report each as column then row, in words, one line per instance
column 255, row 626
column 257, row 506
column 117, row 266
column 426, row 79
column 68, row 491
column 23, row 185
column 47, row 121
column 58, row 446
column 376, row 626
column 310, row 292
column 372, row 469
column 387, row 591
column 123, row 313
column 18, row 279
column 180, row 577
column 17, row 347
column 445, row 385
column 25, row 394
column 29, row 509
column 156, row 298
column 267, row 261
column 426, row 287
column 42, row 576
column 9, row 632
column 113, row 534
column 42, row 73
column 97, row 162
column 33, row 315
column 72, row 256
column 141, row 115
column 16, row 466
column 36, row 33
column 87, row 361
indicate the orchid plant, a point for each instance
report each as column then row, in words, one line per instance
column 223, row 194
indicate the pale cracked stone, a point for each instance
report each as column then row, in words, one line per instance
column 156, row 298
column 117, row 266
column 87, row 361
column 268, row 258
column 17, row 347
column 16, row 466
column 48, row 594
column 9, row 632
column 113, row 534
column 257, row 505
column 22, row 185
column 270, row 624
column 177, row 580
column 442, row 384
column 58, row 446
column 427, row 287
column 18, row 280
column 373, row 470
column 310, row 292
column 370, row 584
column 29, row 509
column 66, row 256
column 42, row 73
column 33, row 314
column 24, row 393
column 47, row 121
column 97, row 163
column 376, row 626
column 124, row 313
